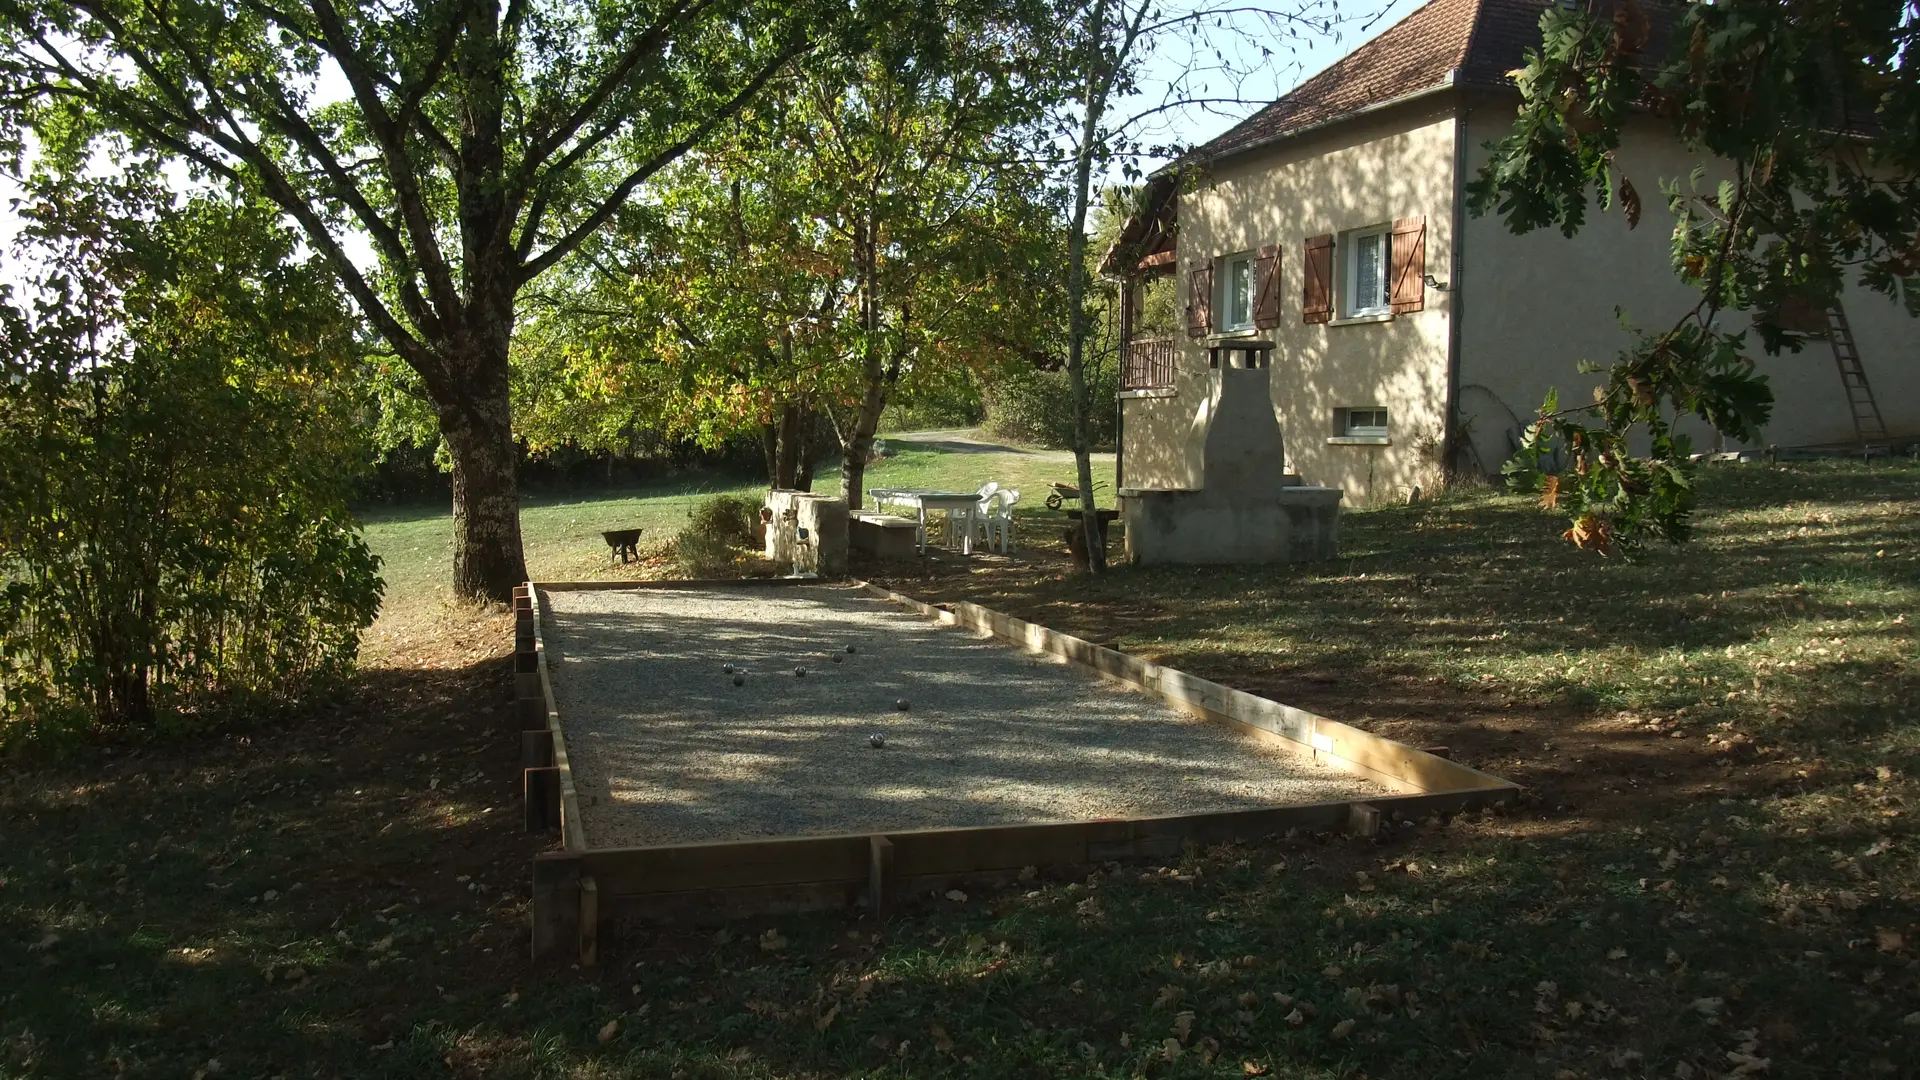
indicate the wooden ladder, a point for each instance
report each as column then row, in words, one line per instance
column 1867, row 424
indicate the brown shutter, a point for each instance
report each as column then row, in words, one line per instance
column 1200, row 301
column 1316, row 278
column 1409, row 255
column 1266, row 288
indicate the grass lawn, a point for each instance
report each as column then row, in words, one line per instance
column 1715, row 874
column 561, row 531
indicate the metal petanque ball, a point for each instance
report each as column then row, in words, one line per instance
column 739, row 680
column 836, row 658
column 728, row 668
column 801, row 672
column 901, row 704
column 849, row 650
column 878, row 742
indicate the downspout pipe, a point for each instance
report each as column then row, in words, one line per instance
column 1450, row 422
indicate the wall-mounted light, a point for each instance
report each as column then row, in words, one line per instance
column 1432, row 284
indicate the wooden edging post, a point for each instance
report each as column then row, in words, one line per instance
column 536, row 749
column 589, row 921
column 556, row 904
column 541, row 788
column 879, row 874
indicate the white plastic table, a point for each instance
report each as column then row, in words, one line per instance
column 959, row 507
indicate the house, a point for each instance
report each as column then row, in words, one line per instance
column 1323, row 258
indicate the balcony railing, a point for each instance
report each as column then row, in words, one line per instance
column 1147, row 364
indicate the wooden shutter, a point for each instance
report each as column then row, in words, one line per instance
column 1409, row 254
column 1200, row 301
column 1266, row 288
column 1316, row 276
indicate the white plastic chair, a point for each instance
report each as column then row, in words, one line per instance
column 996, row 520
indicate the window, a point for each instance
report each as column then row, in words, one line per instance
column 1369, row 423
column 1236, row 292
column 1368, row 254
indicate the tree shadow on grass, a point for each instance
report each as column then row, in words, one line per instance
column 284, row 900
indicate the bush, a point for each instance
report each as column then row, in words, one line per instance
column 173, row 534
column 718, row 533
column 727, row 518
column 1035, row 407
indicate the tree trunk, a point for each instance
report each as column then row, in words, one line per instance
column 809, row 449
column 1077, row 322
column 787, row 459
column 478, row 426
column 853, row 470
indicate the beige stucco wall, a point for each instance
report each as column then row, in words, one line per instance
column 1394, row 164
column 1532, row 307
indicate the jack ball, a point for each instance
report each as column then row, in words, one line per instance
column 739, row 680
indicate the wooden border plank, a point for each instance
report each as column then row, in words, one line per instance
column 1395, row 765
column 573, row 828
column 802, row 873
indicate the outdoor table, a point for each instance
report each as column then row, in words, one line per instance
column 960, row 507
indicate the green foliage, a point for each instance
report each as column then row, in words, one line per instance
column 727, row 518
column 1809, row 115
column 871, row 226
column 1035, row 408
column 717, row 537
column 174, row 461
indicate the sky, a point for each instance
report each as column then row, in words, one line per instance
column 1177, row 69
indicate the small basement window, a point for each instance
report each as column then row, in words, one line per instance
column 1236, row 292
column 1368, row 423
column 1368, row 255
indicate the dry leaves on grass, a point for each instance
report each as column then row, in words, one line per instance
column 607, row 1033
column 1183, row 1026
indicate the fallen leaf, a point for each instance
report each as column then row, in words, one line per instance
column 956, row 896
column 1342, row 1029
column 825, row 1019
column 941, row 1040
column 1616, row 954
column 1890, row 940
column 1168, row 995
column 1170, row 1049
column 1746, row 1064
column 607, row 1033
column 740, row 1053
column 1708, row 1006
column 1296, row 1018
column 1254, row 1068
column 1183, row 1026
column 772, row 941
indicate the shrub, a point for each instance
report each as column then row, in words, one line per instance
column 727, row 518
column 718, row 533
column 1035, row 407
column 174, row 538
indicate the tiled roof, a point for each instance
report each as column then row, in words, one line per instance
column 1475, row 41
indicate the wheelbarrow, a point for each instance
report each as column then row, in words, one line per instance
column 622, row 542
column 1066, row 493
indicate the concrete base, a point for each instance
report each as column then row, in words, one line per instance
column 808, row 533
column 883, row 536
column 1283, row 524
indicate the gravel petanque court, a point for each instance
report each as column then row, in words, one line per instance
column 665, row 749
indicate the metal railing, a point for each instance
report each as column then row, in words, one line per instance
column 1147, row 364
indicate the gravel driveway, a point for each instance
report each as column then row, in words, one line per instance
column 666, row 749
